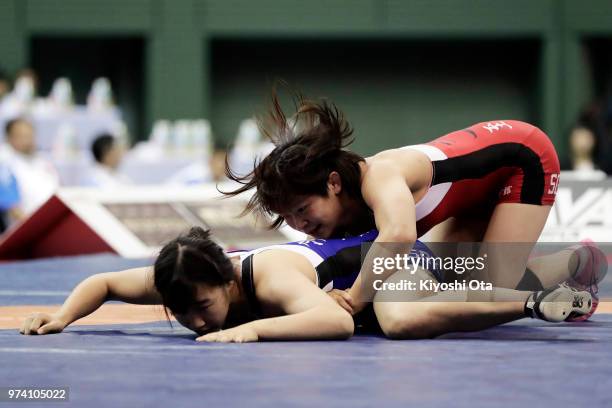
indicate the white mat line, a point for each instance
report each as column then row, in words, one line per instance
column 33, row 293
column 71, row 351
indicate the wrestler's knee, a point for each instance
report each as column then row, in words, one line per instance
column 402, row 322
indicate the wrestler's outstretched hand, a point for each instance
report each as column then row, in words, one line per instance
column 42, row 323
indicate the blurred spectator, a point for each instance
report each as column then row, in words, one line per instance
column 100, row 97
column 30, row 75
column 9, row 198
column 35, row 176
column 217, row 164
column 5, row 84
column 591, row 138
column 61, row 97
column 26, row 86
column 248, row 146
column 583, row 142
column 108, row 153
column 22, row 97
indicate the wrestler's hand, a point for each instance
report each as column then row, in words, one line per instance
column 42, row 323
column 343, row 298
column 238, row 334
column 358, row 305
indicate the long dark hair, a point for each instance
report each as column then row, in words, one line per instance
column 309, row 146
column 185, row 261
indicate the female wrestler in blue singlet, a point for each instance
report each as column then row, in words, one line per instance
column 272, row 293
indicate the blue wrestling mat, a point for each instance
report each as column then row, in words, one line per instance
column 525, row 363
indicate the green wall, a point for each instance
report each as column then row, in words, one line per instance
column 403, row 70
column 394, row 92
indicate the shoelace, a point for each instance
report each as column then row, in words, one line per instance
column 577, row 301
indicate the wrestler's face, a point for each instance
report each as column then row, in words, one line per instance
column 318, row 216
column 210, row 309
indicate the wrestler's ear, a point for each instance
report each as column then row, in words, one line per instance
column 231, row 284
column 334, row 183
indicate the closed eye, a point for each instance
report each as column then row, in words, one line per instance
column 203, row 305
column 302, row 209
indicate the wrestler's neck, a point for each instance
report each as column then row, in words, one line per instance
column 357, row 217
column 236, row 293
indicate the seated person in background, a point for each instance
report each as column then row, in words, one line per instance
column 9, row 198
column 35, row 176
column 5, row 84
column 590, row 143
column 108, row 153
column 217, row 164
column 583, row 148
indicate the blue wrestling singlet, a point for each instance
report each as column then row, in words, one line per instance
column 337, row 261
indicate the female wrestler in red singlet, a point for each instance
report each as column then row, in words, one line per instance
column 494, row 181
column 475, row 169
